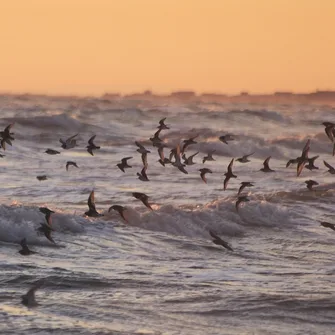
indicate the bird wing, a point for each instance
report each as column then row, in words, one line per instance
column 90, row 141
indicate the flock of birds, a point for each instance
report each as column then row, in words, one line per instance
column 175, row 158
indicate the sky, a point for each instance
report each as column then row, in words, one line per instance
column 89, row 47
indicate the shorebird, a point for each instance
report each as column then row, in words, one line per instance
column 292, row 161
column 46, row 228
column 119, row 209
column 177, row 163
column 162, row 159
column 143, row 151
column 40, row 178
column 244, row 159
column 91, row 146
column 327, row 225
column 243, row 185
column 229, row 174
column 266, row 167
column 203, row 172
column 188, row 143
column 162, row 125
column 143, row 175
column 310, row 183
column 331, row 169
column 219, row 241
column 242, row 198
column 189, row 160
column 303, row 159
column 124, row 164
column 310, row 166
column 28, row 299
column 69, row 143
column 209, row 157
column 91, row 205
column 143, row 197
column 69, row 163
column 25, row 250
column 6, row 136
column 156, row 141
column 226, row 138
column 52, row 152
column 330, row 130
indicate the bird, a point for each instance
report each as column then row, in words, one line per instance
column 303, row 159
column 189, row 160
column 47, row 212
column 69, row 163
column 43, row 177
column 329, row 130
column 28, row 299
column 243, row 185
column 162, row 159
column 244, row 159
column 124, row 164
column 143, row 151
column 310, row 166
column 143, row 175
column 162, row 125
column 46, row 229
column 331, row 169
column 6, row 136
column 143, row 197
column 91, row 205
column 292, row 161
column 209, row 157
column 119, row 209
column 177, row 163
column 188, row 143
column 52, row 152
column 25, row 250
column 219, row 241
column 91, row 146
column 242, row 198
column 69, row 143
column 266, row 167
column 229, row 174
column 226, row 138
column 310, row 183
column 203, row 172
column 156, row 141
column 327, row 225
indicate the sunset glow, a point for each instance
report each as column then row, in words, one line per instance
column 97, row 46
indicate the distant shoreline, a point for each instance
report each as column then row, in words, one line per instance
column 316, row 97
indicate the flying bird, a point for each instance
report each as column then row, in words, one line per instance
column 143, row 175
column 203, row 172
column 69, row 163
column 310, row 166
column 219, row 241
column 177, row 163
column 143, row 197
column 162, row 159
column 6, row 136
column 266, row 167
column 189, row 160
column 310, row 183
column 226, row 138
column 143, row 151
column 303, row 159
column 119, row 209
column 229, row 174
column 156, row 141
column 188, row 143
column 69, row 143
column 162, row 125
column 124, row 164
column 28, row 299
column 331, row 170
column 91, row 146
column 244, row 159
column 25, row 250
column 327, row 225
column 91, row 205
column 52, row 152
column 209, row 157
column 43, row 177
column 242, row 198
column 243, row 185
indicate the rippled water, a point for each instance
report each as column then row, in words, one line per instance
column 160, row 273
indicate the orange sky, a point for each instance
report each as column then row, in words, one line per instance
column 94, row 46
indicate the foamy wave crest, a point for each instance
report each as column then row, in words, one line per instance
column 18, row 222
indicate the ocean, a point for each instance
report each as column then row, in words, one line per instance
column 159, row 272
